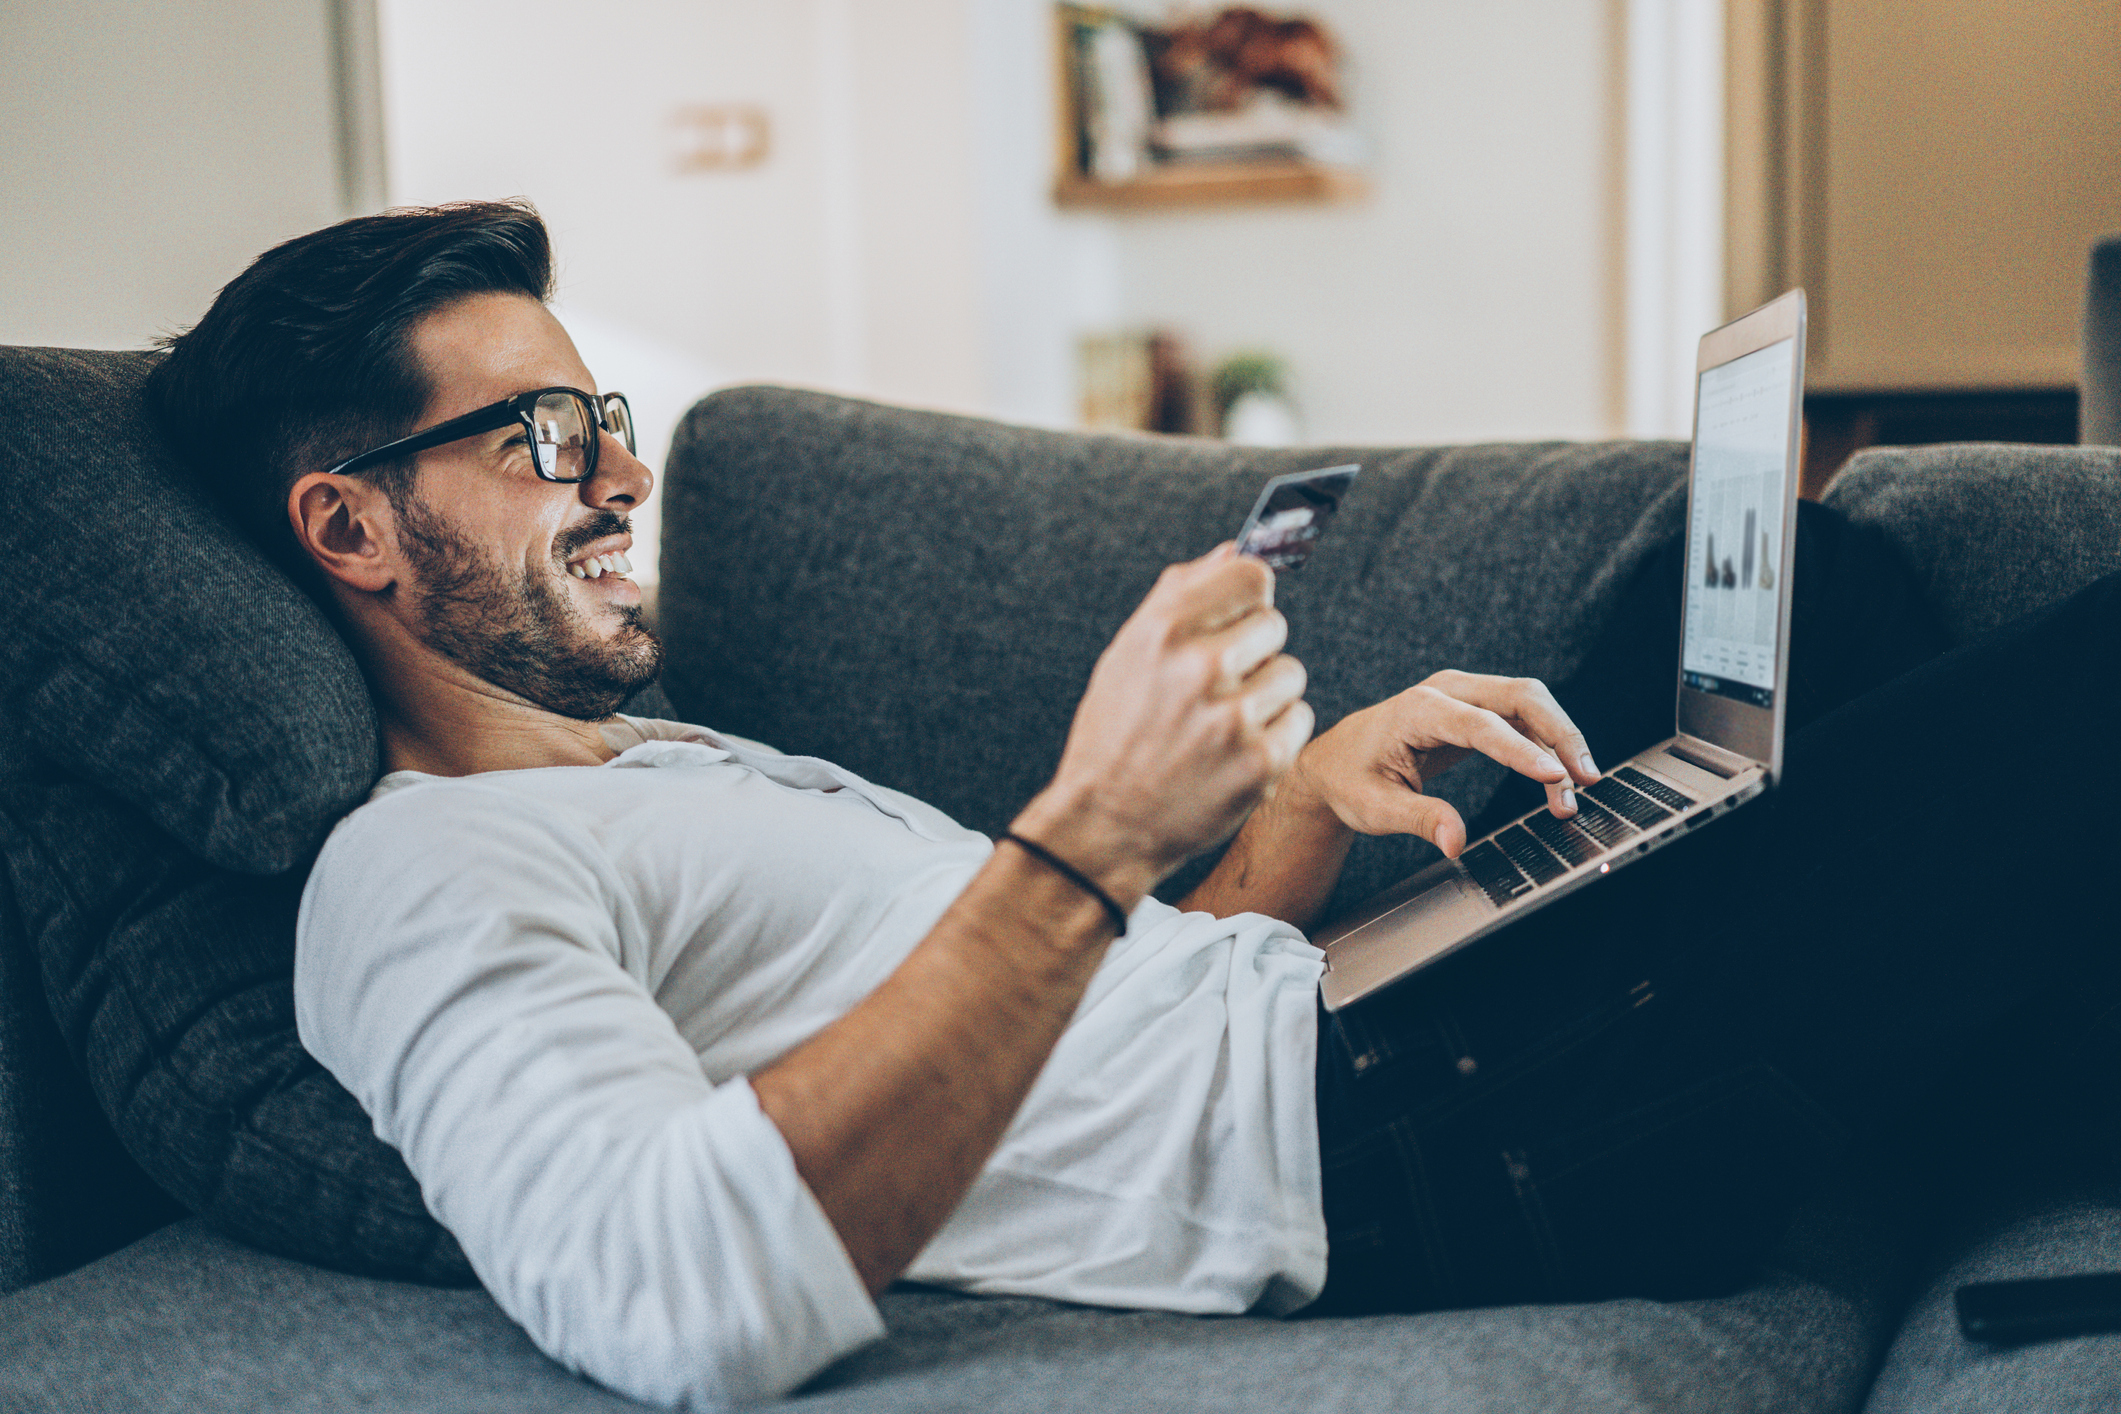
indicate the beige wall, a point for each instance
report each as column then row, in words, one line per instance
column 147, row 152
column 1934, row 172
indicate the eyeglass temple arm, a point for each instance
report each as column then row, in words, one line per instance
column 471, row 424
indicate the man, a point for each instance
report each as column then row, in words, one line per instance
column 695, row 1046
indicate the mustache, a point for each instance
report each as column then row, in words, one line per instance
column 599, row 525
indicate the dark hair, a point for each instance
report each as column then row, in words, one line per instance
column 303, row 359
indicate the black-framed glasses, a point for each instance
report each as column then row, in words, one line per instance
column 561, row 423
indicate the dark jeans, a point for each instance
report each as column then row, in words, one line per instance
column 1627, row 1092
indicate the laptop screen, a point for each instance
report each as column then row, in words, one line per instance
column 1735, row 539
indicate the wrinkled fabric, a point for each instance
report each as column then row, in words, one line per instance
column 547, row 987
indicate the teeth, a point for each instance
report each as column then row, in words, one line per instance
column 597, row 566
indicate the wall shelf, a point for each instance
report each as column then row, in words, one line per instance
column 1224, row 184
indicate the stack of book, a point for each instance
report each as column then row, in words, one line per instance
column 1238, row 105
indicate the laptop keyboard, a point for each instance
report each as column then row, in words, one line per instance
column 1540, row 849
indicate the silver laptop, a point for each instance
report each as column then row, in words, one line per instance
column 1726, row 746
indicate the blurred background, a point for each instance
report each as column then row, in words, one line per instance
column 1412, row 221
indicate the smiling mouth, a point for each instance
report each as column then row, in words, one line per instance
column 597, row 566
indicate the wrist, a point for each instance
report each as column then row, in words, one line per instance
column 1074, row 829
column 1299, row 797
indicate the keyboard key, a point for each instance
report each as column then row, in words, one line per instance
column 1655, row 789
column 1632, row 806
column 1538, row 862
column 1574, row 845
column 1602, row 824
column 1490, row 868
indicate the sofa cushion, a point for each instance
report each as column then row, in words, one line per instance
column 155, row 652
column 1992, row 531
column 171, row 982
column 185, row 1321
column 67, row 1191
column 921, row 596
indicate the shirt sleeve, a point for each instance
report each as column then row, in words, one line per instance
column 458, row 969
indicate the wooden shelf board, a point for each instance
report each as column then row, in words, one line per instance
column 1232, row 184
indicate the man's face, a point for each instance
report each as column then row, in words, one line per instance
column 492, row 551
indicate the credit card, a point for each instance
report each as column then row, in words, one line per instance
column 1291, row 514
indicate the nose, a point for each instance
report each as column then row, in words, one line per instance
column 622, row 481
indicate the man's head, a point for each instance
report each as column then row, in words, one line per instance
column 462, row 556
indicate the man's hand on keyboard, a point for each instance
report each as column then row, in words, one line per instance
column 1372, row 768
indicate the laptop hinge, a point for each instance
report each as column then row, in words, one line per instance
column 1728, row 765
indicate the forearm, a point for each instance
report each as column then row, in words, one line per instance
column 1283, row 863
column 891, row 1110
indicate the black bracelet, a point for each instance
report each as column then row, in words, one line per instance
column 1074, row 876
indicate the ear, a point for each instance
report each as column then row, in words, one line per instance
column 346, row 526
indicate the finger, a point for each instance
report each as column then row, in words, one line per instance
column 1531, row 707
column 1485, row 731
column 1285, row 736
column 1240, row 650
column 1216, row 590
column 1434, row 820
column 1547, row 723
column 1276, row 686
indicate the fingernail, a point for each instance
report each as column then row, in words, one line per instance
column 1590, row 767
column 1548, row 763
column 1568, row 800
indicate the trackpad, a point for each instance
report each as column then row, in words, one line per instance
column 1417, row 931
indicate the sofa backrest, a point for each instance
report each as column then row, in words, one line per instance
column 1993, row 530
column 921, row 596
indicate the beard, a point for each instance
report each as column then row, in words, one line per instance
column 524, row 634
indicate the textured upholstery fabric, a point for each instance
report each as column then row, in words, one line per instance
column 172, row 982
column 2099, row 386
column 921, row 596
column 67, row 1191
column 2051, row 1227
column 1992, row 531
column 155, row 653
column 187, row 1323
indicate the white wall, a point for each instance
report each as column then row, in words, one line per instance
column 1475, row 294
column 148, row 152
column 849, row 259
column 901, row 241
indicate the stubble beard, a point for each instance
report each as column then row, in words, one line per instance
column 523, row 634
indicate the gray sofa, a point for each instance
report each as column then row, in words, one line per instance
column 193, row 1218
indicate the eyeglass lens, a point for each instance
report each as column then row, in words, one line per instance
column 564, row 433
column 619, row 418
column 560, row 435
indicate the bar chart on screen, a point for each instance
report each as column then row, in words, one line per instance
column 1735, row 526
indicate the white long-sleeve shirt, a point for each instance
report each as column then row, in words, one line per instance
column 547, row 986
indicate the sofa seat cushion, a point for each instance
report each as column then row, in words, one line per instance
column 185, row 1322
column 2058, row 1227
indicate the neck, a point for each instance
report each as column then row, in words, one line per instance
column 440, row 719
column 465, row 732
